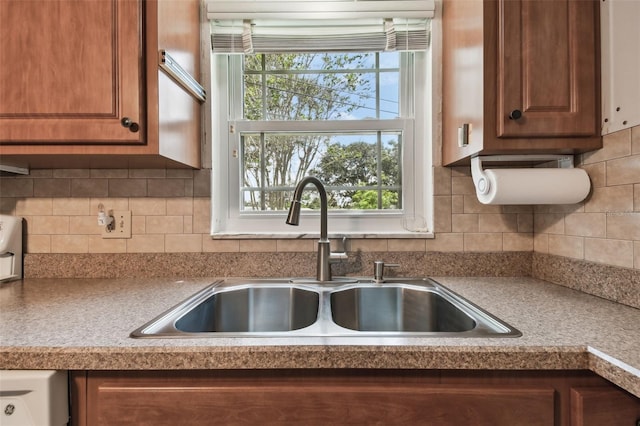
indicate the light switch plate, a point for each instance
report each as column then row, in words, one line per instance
column 122, row 225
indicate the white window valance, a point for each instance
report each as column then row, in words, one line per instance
column 261, row 26
column 318, row 9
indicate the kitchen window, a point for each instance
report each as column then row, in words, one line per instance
column 328, row 98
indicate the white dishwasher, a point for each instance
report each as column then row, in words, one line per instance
column 34, row 398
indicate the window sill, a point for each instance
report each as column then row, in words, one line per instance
column 291, row 236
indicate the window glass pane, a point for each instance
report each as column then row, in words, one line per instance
column 319, row 96
column 253, row 62
column 312, row 61
column 253, row 99
column 321, row 86
column 251, row 161
column 265, row 199
column 389, row 95
column 361, row 171
column 273, row 162
column 389, row 60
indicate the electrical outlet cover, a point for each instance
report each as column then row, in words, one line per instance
column 122, row 222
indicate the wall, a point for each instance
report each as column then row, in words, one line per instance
column 605, row 228
column 171, row 213
column 170, row 209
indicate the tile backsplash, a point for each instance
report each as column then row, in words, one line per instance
column 171, row 213
column 605, row 228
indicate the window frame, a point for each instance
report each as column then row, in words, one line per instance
column 416, row 217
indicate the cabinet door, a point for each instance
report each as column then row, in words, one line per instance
column 156, row 401
column 71, row 71
column 547, row 68
column 602, row 406
column 320, row 405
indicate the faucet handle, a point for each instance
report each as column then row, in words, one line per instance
column 341, row 244
column 339, row 256
column 378, row 270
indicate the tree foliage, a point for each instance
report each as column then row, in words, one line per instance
column 356, row 164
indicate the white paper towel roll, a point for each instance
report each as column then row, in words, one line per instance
column 535, row 186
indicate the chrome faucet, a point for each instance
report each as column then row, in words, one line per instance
column 325, row 256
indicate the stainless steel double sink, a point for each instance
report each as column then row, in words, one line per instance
column 281, row 308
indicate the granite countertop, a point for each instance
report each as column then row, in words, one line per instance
column 79, row 324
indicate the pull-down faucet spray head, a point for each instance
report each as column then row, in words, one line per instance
column 293, row 218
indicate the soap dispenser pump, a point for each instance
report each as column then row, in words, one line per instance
column 10, row 248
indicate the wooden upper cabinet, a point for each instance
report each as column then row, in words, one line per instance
column 546, row 69
column 523, row 74
column 71, row 71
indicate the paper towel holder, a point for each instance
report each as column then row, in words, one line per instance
column 482, row 182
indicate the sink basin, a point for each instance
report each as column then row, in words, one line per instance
column 397, row 308
column 280, row 308
column 247, row 308
column 252, row 309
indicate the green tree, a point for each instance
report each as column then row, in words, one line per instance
column 368, row 200
column 270, row 93
column 355, row 164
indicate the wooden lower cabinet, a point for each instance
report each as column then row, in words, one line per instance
column 348, row 397
column 598, row 405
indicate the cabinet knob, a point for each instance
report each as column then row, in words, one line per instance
column 128, row 123
column 516, row 114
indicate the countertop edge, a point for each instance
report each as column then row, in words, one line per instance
column 318, row 357
column 295, row 357
column 614, row 370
